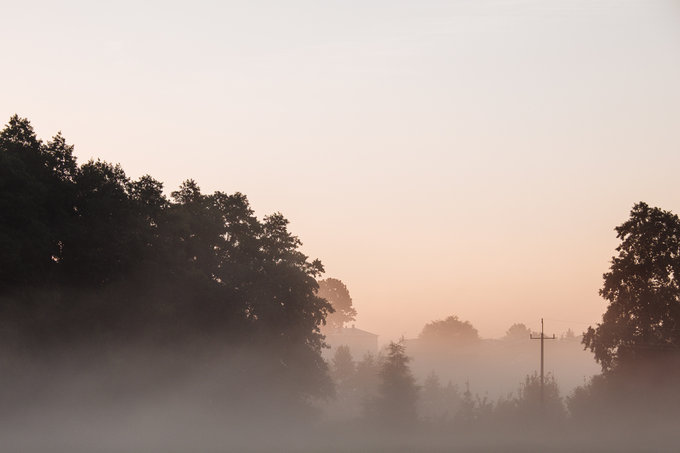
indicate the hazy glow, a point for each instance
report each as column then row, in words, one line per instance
column 466, row 157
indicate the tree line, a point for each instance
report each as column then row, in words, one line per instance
column 382, row 389
column 637, row 345
column 89, row 255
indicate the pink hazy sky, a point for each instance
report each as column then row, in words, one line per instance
column 466, row 157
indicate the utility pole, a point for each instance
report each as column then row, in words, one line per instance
column 542, row 337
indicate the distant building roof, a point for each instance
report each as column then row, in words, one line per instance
column 352, row 331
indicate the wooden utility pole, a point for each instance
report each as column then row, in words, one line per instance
column 542, row 337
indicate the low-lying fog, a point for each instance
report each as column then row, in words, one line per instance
column 212, row 399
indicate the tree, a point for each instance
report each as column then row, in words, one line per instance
column 88, row 255
column 471, row 410
column 431, row 397
column 529, row 398
column 367, row 375
column 35, row 203
column 517, row 332
column 337, row 294
column 593, row 399
column 467, row 413
column 438, row 403
column 342, row 366
column 395, row 404
column 569, row 335
column 450, row 331
column 642, row 320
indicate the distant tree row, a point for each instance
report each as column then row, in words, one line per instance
column 383, row 390
column 452, row 331
column 637, row 343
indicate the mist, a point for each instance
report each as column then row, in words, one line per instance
column 387, row 226
column 134, row 321
column 175, row 401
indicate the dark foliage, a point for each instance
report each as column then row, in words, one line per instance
column 642, row 321
column 638, row 341
column 90, row 256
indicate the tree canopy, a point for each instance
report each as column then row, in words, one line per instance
column 642, row 320
column 343, row 367
column 517, row 332
column 396, row 402
column 450, row 331
column 337, row 294
column 89, row 254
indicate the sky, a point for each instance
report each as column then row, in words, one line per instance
column 461, row 157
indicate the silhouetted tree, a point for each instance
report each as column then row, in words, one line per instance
column 438, row 403
column 337, row 294
column 529, row 398
column 505, row 410
column 569, row 335
column 395, row 403
column 367, row 375
column 431, row 398
column 484, row 409
column 642, row 320
column 342, row 366
column 35, row 203
column 591, row 400
column 473, row 411
column 517, row 332
column 466, row 414
column 450, row 331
